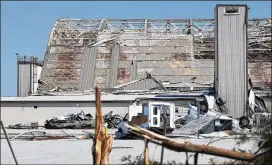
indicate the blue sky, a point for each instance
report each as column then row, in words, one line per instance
column 25, row 26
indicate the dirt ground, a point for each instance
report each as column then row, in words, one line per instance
column 79, row 151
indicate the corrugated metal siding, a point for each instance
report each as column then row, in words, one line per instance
column 232, row 59
column 215, row 51
column 165, row 57
column 133, row 73
column 88, row 69
column 114, row 71
column 62, row 65
column 24, row 79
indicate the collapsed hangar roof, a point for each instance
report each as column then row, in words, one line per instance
column 84, row 53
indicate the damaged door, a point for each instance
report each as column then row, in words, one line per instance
column 168, row 116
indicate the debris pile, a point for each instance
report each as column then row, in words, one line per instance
column 112, row 119
column 81, row 121
column 24, row 126
column 71, row 121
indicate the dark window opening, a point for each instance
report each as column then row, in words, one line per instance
column 167, row 112
column 204, row 56
column 35, row 107
column 176, row 109
column 155, row 110
column 231, row 10
column 155, row 121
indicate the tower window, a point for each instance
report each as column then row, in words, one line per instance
column 231, row 10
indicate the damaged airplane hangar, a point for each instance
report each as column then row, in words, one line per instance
column 129, row 58
column 84, row 53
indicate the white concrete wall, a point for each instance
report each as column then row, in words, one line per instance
column 25, row 113
column 14, row 113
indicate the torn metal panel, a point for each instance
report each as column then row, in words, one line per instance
column 193, row 126
column 141, row 84
column 133, row 72
column 114, row 72
column 88, row 69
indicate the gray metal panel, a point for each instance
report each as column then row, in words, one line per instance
column 193, row 126
column 133, row 72
column 88, row 69
column 215, row 51
column 108, row 75
column 231, row 59
column 24, row 83
column 112, row 78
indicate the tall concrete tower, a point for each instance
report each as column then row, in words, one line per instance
column 231, row 75
column 29, row 69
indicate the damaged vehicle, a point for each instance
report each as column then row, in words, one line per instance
column 81, row 121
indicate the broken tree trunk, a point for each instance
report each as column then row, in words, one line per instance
column 189, row 147
column 146, row 156
column 102, row 144
column 106, row 148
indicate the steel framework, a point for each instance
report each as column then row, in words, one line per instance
column 78, row 32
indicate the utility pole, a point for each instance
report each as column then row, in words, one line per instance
column 12, row 152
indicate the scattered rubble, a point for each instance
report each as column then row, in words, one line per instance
column 205, row 116
column 81, row 121
column 71, row 121
column 21, row 126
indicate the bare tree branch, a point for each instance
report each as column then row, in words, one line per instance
column 189, row 147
